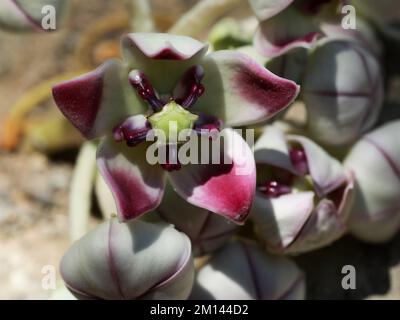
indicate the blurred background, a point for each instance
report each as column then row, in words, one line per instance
column 38, row 151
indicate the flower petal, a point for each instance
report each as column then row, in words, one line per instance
column 324, row 226
column 265, row 9
column 288, row 30
column 279, row 221
column 137, row 186
column 227, row 188
column 240, row 91
column 272, row 149
column 207, row 231
column 163, row 58
column 99, row 100
column 326, row 172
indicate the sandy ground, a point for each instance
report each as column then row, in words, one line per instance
column 34, row 188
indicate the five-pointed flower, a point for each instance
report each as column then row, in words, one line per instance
column 304, row 195
column 168, row 79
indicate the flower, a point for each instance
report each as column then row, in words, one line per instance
column 304, row 195
column 182, row 85
column 208, row 232
column 342, row 91
column 23, row 15
column 290, row 24
column 242, row 271
column 133, row 260
column 375, row 160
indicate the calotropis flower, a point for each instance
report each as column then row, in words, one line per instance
column 23, row 15
column 375, row 160
column 303, row 197
column 242, row 271
column 181, row 84
column 289, row 24
column 125, row 261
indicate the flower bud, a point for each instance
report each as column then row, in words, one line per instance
column 25, row 15
column 207, row 231
column 375, row 160
column 242, row 271
column 304, row 194
column 134, row 260
column 342, row 91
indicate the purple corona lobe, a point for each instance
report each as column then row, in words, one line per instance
column 79, row 100
column 133, row 130
column 190, row 88
column 274, row 189
column 145, row 90
column 299, row 160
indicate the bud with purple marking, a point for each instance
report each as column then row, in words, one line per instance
column 342, row 91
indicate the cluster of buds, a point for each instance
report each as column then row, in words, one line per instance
column 298, row 196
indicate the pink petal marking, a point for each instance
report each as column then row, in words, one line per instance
column 261, row 87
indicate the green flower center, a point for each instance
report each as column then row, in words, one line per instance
column 172, row 119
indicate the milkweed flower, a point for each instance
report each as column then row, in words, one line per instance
column 242, row 271
column 125, row 261
column 375, row 160
column 303, row 194
column 25, row 15
column 164, row 80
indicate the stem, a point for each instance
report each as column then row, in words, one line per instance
column 141, row 16
column 81, row 191
column 202, row 16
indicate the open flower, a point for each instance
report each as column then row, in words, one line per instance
column 165, row 80
column 22, row 15
column 303, row 197
column 207, row 231
column 289, row 24
column 242, row 271
column 134, row 260
column 342, row 91
column 375, row 160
